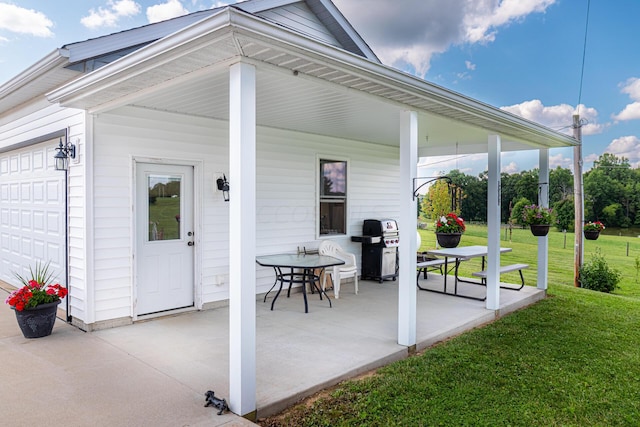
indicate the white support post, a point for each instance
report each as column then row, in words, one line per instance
column 407, row 297
column 493, row 224
column 242, row 241
column 543, row 241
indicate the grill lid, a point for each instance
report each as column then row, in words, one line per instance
column 375, row 227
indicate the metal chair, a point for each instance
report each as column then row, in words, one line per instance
column 348, row 269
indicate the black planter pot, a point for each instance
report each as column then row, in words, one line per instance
column 448, row 240
column 539, row 229
column 37, row 322
column 591, row 234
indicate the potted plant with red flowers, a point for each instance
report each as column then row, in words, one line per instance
column 538, row 218
column 36, row 302
column 449, row 229
column 592, row 230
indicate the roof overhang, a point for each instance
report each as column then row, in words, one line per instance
column 303, row 85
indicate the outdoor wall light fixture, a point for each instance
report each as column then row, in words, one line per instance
column 65, row 152
column 223, row 185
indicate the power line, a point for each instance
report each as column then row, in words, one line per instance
column 584, row 54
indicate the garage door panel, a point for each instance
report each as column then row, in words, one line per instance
column 25, row 192
column 38, row 192
column 32, row 213
column 13, row 164
column 53, row 192
column 16, row 248
column 15, row 218
column 14, row 192
column 25, row 220
column 25, row 247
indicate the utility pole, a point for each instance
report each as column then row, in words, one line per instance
column 578, row 201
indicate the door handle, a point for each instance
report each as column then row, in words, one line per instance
column 190, row 243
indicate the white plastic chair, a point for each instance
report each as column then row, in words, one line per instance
column 338, row 272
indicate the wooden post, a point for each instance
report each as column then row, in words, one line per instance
column 578, row 200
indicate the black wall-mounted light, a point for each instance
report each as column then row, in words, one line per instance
column 65, row 152
column 223, row 185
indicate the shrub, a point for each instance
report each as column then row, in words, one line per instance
column 598, row 276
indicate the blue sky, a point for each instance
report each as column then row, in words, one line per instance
column 521, row 55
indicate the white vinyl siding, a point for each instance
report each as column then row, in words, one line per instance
column 286, row 194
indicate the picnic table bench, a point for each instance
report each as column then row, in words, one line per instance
column 504, row 269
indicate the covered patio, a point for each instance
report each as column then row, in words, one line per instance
column 273, row 102
column 299, row 354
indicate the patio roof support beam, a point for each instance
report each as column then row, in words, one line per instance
column 493, row 224
column 407, row 294
column 242, row 240
column 543, row 200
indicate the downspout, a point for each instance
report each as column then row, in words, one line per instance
column 66, row 233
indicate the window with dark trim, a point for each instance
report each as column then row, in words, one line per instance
column 333, row 197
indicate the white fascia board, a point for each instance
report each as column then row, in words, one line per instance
column 391, row 77
column 244, row 23
column 53, row 60
column 107, row 75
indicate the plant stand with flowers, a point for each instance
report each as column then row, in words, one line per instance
column 36, row 303
column 37, row 322
column 449, row 229
column 592, row 230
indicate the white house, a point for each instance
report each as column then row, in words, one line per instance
column 262, row 93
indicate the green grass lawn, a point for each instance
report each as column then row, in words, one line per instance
column 572, row 359
column 561, row 258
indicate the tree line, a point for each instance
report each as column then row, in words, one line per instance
column 611, row 194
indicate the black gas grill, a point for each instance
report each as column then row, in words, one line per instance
column 380, row 240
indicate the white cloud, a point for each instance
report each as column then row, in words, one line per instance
column 560, row 160
column 512, row 167
column 109, row 16
column 558, row 117
column 400, row 38
column 483, row 18
column 632, row 111
column 164, row 11
column 470, row 66
column 626, row 146
column 632, row 88
column 24, row 21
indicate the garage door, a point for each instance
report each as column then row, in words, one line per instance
column 31, row 211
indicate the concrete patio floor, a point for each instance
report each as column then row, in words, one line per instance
column 297, row 353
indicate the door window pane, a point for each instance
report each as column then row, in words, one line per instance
column 164, row 207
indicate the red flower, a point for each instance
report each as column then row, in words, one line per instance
column 36, row 290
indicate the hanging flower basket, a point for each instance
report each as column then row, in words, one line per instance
column 591, row 234
column 448, row 240
column 538, row 218
column 540, row 229
column 592, row 230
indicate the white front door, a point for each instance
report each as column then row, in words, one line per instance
column 164, row 237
